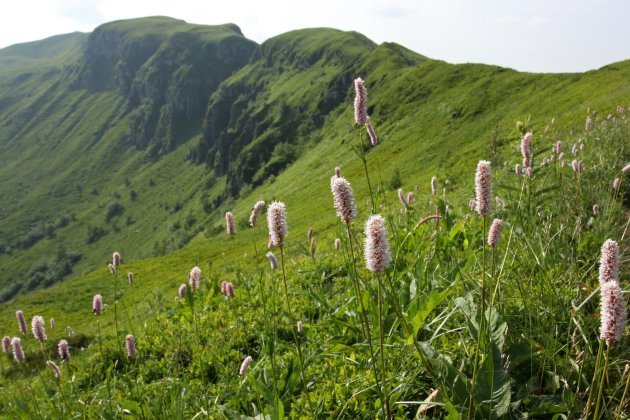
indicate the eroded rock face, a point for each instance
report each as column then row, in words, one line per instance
column 167, row 73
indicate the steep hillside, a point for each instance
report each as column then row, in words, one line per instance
column 139, row 136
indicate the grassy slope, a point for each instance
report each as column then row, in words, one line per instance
column 413, row 114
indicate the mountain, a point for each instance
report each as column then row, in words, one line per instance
column 138, row 136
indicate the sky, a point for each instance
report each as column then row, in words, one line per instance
column 527, row 35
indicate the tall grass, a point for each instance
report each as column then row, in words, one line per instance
column 465, row 331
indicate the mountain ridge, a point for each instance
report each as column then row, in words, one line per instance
column 153, row 148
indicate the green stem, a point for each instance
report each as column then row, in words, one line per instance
column 293, row 328
column 595, row 372
column 623, row 397
column 382, row 348
column 367, row 174
column 366, row 325
column 601, row 384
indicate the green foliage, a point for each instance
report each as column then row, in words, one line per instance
column 273, row 128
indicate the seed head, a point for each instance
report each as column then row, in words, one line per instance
column 494, row 232
column 376, row 245
column 626, row 169
column 229, row 290
column 182, row 290
column 277, row 223
column 360, row 102
column 609, row 262
column 402, row 197
column 38, row 328
column 63, row 351
column 557, row 148
column 193, row 278
column 616, row 183
column 55, row 369
column 97, row 305
column 130, row 277
column 245, row 365
column 130, row 344
column 343, row 199
column 116, row 259
column 371, row 132
column 574, row 149
column 409, row 197
column 6, row 344
column 255, row 212
column 229, row 223
column 483, row 187
column 21, row 321
column 18, row 353
column 112, row 268
column 272, row 260
column 613, row 312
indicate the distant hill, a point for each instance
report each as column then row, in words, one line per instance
column 139, row 135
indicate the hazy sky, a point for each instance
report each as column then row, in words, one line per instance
column 528, row 35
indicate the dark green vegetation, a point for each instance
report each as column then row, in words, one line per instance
column 138, row 137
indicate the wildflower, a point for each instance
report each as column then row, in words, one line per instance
column 561, row 156
column 377, row 256
column 223, row 287
column 574, row 149
column 499, row 202
column 589, row 123
column 37, row 326
column 52, row 323
column 472, row 204
column 337, row 171
column 18, row 353
column 130, row 277
column 616, row 183
column 371, row 132
column 360, row 102
column 433, row 185
column 269, row 243
column 63, row 351
column 299, row 327
column 528, row 172
column 557, row 148
column 337, row 243
column 581, row 146
column 409, row 197
column 272, row 260
column 21, row 321
column 343, row 198
column 620, row 109
column 595, row 209
column 277, row 223
column 116, row 259
column 193, row 278
column 402, row 197
column 55, row 369
column 6, row 344
column 609, row 262
column 526, row 149
column 517, row 169
column 311, row 248
column 483, row 187
column 626, row 169
column 245, row 365
column 182, row 290
column 130, row 344
column 255, row 212
column 229, row 290
column 229, row 222
column 574, row 165
column 112, row 268
column 493, row 233
column 97, row 305
column 309, row 234
column 613, row 313
column 580, row 168
column 69, row 331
